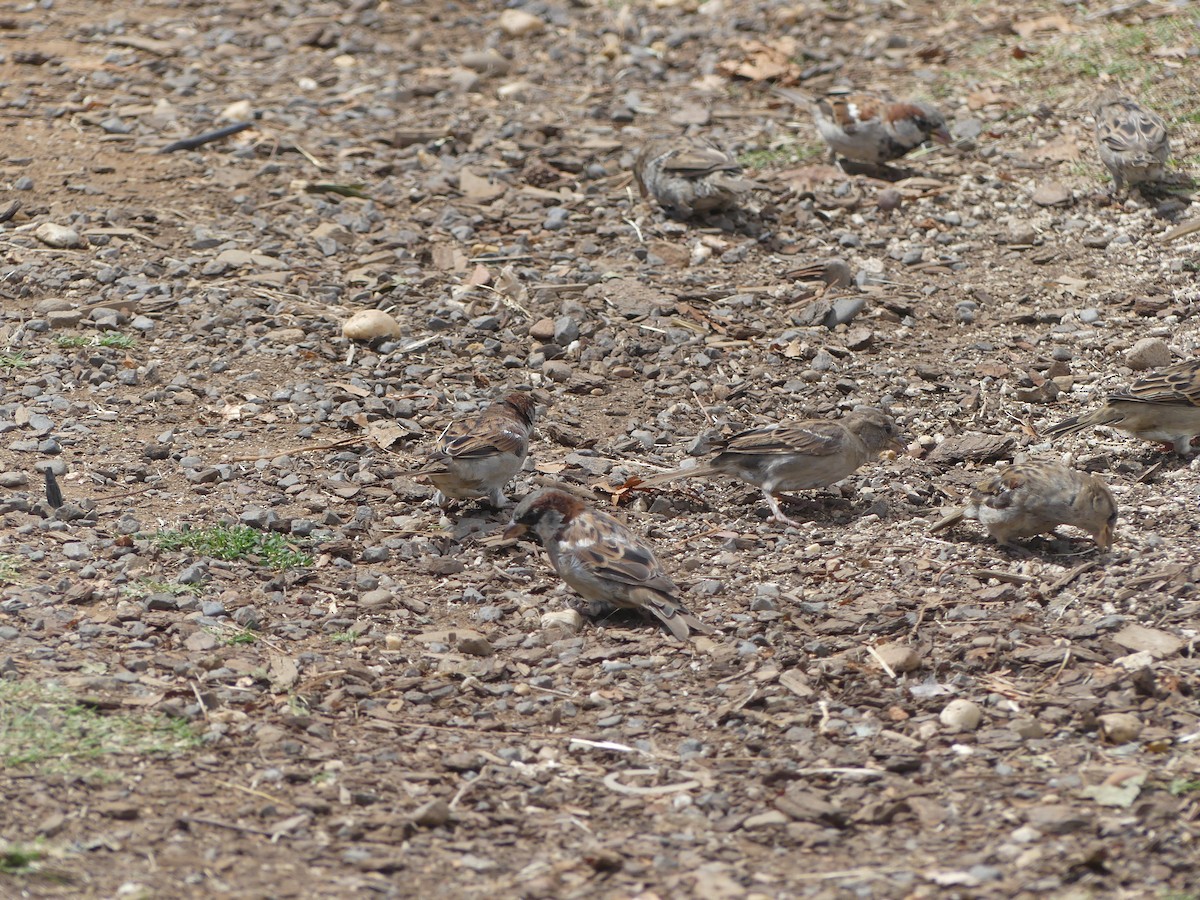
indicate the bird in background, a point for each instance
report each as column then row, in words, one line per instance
column 795, row 456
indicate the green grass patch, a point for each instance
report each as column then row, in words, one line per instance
column 145, row 587
column 1184, row 786
column 18, row 860
column 343, row 637
column 14, row 360
column 10, row 568
column 782, row 155
column 245, row 636
column 44, row 728
column 234, row 542
column 113, row 339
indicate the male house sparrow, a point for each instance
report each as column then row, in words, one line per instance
column 795, row 456
column 1035, row 497
column 1164, row 406
column 1132, row 140
column 690, row 175
column 602, row 559
column 872, row 130
column 476, row 458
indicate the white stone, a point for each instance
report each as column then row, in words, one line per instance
column 370, row 325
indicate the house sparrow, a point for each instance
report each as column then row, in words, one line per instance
column 476, row 458
column 795, row 456
column 602, row 559
column 1163, row 406
column 872, row 130
column 1035, row 497
column 1132, row 140
column 690, row 175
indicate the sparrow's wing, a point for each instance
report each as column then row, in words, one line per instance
column 496, row 431
column 1177, row 385
column 696, row 160
column 1128, row 127
column 813, row 437
column 611, row 551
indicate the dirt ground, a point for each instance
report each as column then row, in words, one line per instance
column 372, row 704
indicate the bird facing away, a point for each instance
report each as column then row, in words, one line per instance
column 1164, row 406
column 1132, row 140
column 795, row 456
column 476, row 458
column 688, row 175
column 602, row 560
column 873, row 130
column 1031, row 498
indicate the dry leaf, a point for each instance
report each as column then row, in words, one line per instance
column 384, row 434
column 550, row 468
column 1061, row 149
column 478, row 188
column 448, row 258
column 1056, row 22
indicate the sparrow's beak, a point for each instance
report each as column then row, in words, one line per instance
column 942, row 136
column 514, row 530
column 1104, row 537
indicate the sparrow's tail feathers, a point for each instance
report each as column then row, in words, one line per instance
column 675, row 474
column 1076, row 424
column 945, row 522
column 673, row 615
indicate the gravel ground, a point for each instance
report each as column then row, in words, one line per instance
column 372, row 702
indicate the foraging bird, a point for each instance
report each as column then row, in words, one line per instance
column 868, row 129
column 1163, row 406
column 1132, row 140
column 795, row 456
column 602, row 559
column 1031, row 498
column 476, row 458
column 690, row 175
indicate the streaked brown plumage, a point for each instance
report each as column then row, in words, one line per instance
column 1132, row 140
column 476, row 458
column 1031, row 498
column 795, row 456
column 688, row 175
column 1163, row 406
column 602, row 559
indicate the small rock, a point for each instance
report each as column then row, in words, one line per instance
column 370, row 325
column 565, row 621
column 1148, row 353
column 475, row 645
column 1120, row 728
column 1057, row 818
column 900, row 658
column 1052, row 194
column 196, row 573
column 433, row 814
column 200, row 640
column 518, row 23
column 542, row 330
column 961, row 715
column 487, row 62
column 889, row 200
column 843, row 311
column 557, row 371
column 770, row 819
column 59, row 236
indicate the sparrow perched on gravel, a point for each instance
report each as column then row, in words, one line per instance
column 1035, row 497
column 602, row 559
column 690, row 175
column 795, row 456
column 1132, row 139
column 872, row 130
column 1164, row 406
column 476, row 458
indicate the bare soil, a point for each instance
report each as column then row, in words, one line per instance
column 393, row 718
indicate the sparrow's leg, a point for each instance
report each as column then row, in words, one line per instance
column 497, row 499
column 779, row 516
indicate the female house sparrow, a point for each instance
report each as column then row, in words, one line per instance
column 1163, row 406
column 1035, row 497
column 602, row 559
column 477, row 458
column 795, row 456
column 872, row 130
column 1132, row 139
column 690, row 175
